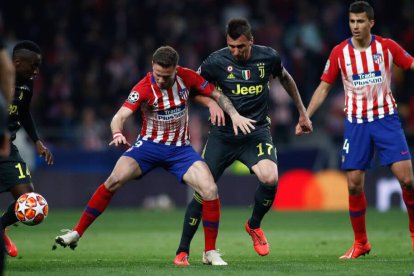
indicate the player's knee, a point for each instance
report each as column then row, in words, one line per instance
column 113, row 183
column 269, row 178
column 209, row 192
column 407, row 182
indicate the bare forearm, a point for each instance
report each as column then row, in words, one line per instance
column 318, row 97
column 117, row 124
column 225, row 103
column 290, row 86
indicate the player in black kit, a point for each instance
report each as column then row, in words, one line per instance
column 242, row 71
column 14, row 173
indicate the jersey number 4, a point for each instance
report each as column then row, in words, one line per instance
column 346, row 146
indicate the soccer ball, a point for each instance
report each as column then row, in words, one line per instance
column 31, row 208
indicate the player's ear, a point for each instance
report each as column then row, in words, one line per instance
column 372, row 23
column 251, row 41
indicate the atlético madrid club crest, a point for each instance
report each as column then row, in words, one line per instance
column 246, row 74
column 377, row 58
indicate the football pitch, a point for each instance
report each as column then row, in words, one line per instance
column 137, row 242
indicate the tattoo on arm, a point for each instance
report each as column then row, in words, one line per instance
column 225, row 104
column 290, row 86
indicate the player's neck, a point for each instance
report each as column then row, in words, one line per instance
column 361, row 44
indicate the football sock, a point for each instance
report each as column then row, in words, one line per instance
column 211, row 218
column 357, row 210
column 9, row 217
column 263, row 200
column 192, row 219
column 96, row 205
column 408, row 197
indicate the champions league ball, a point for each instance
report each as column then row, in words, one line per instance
column 31, row 208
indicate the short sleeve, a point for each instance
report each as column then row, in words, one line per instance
column 401, row 57
column 331, row 67
column 196, row 82
column 137, row 95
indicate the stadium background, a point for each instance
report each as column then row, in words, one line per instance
column 95, row 51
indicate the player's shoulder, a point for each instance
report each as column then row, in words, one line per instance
column 264, row 50
column 387, row 42
column 218, row 56
column 340, row 46
column 185, row 72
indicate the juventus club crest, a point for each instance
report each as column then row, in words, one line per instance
column 261, row 68
column 246, row 74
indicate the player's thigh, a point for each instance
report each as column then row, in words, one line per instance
column 14, row 172
column 126, row 169
column 259, row 154
column 219, row 153
column 199, row 178
column 358, row 147
column 390, row 141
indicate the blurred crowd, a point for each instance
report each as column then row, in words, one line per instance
column 94, row 51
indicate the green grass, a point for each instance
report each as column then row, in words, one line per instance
column 136, row 242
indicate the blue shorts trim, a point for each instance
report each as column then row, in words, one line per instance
column 175, row 159
column 384, row 137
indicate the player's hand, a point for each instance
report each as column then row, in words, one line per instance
column 119, row 139
column 245, row 124
column 216, row 114
column 304, row 125
column 42, row 150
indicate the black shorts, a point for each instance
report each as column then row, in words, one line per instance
column 222, row 150
column 13, row 170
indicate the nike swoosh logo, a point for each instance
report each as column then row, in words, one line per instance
column 404, row 152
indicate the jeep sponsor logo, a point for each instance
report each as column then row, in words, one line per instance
column 245, row 90
column 364, row 79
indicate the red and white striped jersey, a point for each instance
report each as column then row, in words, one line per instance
column 165, row 111
column 366, row 77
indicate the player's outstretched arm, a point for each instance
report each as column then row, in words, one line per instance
column 290, row 86
column 117, row 125
column 216, row 113
column 239, row 122
column 317, row 99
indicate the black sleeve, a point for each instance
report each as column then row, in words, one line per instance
column 277, row 64
column 205, row 69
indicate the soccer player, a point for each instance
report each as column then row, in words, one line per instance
column 365, row 62
column 14, row 173
column 242, row 71
column 164, row 142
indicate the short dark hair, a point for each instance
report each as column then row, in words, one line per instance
column 26, row 45
column 237, row 27
column 165, row 56
column 360, row 7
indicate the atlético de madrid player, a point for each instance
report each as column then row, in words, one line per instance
column 164, row 142
column 365, row 62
